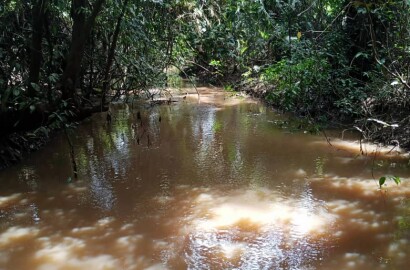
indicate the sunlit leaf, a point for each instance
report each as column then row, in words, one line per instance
column 396, row 179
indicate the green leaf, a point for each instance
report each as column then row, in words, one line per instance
column 215, row 63
column 43, row 130
column 361, row 54
column 396, row 179
column 53, row 77
column 35, row 86
column 382, row 180
column 16, row 92
column 32, row 108
column 263, row 34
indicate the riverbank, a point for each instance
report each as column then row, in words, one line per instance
column 394, row 133
column 14, row 146
column 18, row 142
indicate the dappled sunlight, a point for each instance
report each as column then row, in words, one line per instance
column 361, row 187
column 242, row 228
column 245, row 228
column 365, row 223
column 216, row 96
column 65, row 255
column 399, row 249
column 93, row 247
column 366, row 149
column 257, row 209
column 14, row 235
column 239, row 227
column 7, row 200
column 263, row 229
column 359, row 216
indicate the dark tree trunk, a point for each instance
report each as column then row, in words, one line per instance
column 111, row 54
column 35, row 49
column 81, row 30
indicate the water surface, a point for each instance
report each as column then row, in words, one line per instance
column 219, row 183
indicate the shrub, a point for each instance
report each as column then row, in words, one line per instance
column 309, row 83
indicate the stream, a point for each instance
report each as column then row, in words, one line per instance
column 222, row 182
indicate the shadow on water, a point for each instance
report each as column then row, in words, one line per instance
column 208, row 184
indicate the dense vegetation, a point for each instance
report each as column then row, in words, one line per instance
column 327, row 60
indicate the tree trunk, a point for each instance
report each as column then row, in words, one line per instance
column 111, row 54
column 81, row 30
column 36, row 48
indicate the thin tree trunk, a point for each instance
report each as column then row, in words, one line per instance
column 36, row 48
column 111, row 54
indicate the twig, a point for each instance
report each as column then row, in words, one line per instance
column 73, row 163
column 327, row 138
column 334, row 20
column 306, row 10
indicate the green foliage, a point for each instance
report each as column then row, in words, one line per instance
column 315, row 80
column 302, row 83
column 174, row 80
column 225, row 35
column 229, row 88
column 144, row 50
column 382, row 180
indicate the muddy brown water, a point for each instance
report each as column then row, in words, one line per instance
column 216, row 184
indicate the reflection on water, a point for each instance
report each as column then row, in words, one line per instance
column 256, row 229
column 214, row 185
